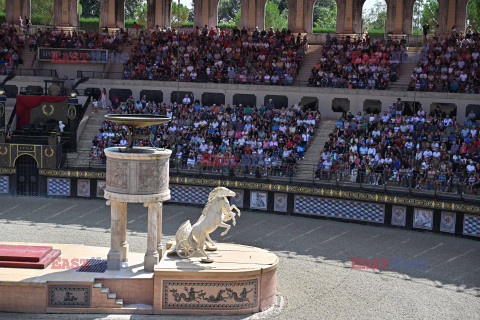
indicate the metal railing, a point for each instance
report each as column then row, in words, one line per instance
column 37, row 73
column 93, row 74
column 411, row 183
column 379, row 182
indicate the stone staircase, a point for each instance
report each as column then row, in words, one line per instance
column 305, row 168
column 311, row 58
column 406, row 69
column 104, row 298
column 28, row 60
column 115, row 70
column 81, row 158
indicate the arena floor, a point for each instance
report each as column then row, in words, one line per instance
column 315, row 278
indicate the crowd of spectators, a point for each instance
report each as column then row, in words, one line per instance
column 260, row 140
column 55, row 38
column 358, row 64
column 11, row 46
column 448, row 64
column 213, row 55
column 409, row 149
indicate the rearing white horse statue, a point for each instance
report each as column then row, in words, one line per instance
column 217, row 211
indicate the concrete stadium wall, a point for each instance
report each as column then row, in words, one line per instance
column 70, row 69
column 293, row 94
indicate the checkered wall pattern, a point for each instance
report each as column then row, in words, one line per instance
column 58, row 187
column 339, row 209
column 189, row 194
column 471, row 225
column 3, row 184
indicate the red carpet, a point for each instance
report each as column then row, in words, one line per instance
column 33, row 257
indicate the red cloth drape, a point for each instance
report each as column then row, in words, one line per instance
column 27, row 103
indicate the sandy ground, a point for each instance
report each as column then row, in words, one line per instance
column 315, row 277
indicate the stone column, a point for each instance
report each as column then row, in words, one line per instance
column 308, row 16
column 357, row 16
column 152, row 256
column 341, row 18
column 118, row 246
column 159, row 230
column 65, row 13
column 205, row 13
column 292, row 15
column 408, row 16
column 16, row 8
column 349, row 16
column 450, row 13
column 461, row 15
column 112, row 13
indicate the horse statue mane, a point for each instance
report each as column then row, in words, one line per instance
column 217, row 192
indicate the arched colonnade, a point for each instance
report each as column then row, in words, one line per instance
column 300, row 14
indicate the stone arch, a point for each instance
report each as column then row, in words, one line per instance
column 65, row 14
column 308, row 9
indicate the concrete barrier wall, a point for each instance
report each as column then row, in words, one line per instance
column 293, row 94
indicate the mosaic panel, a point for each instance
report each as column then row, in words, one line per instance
column 210, row 295
column 69, row 296
column 189, row 194
column 447, row 222
column 399, row 216
column 423, row 219
column 4, row 184
column 339, row 209
column 58, row 187
column 471, row 225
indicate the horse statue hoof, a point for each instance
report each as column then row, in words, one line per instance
column 207, row 260
column 210, row 248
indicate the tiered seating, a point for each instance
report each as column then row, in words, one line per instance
column 256, row 140
column 11, row 46
column 448, row 65
column 228, row 56
column 417, row 150
column 358, row 64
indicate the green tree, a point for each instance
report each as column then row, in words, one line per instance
column 91, row 8
column 179, row 13
column 131, row 7
column 375, row 17
column 473, row 14
column 327, row 18
column 282, row 6
column 237, row 19
column 227, row 10
column 324, row 8
column 429, row 13
column 274, row 18
column 42, row 12
column 2, row 5
column 141, row 15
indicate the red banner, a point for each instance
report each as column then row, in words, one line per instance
column 27, row 103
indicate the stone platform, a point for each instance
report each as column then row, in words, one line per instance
column 241, row 280
column 33, row 257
